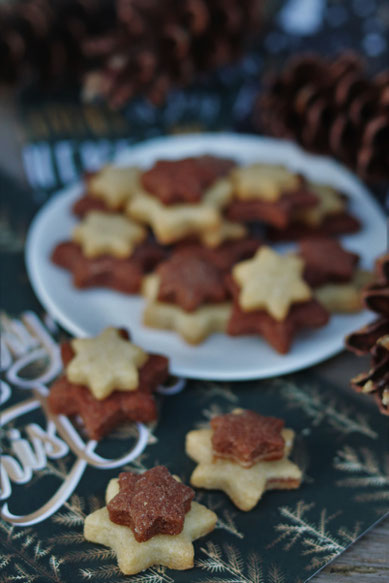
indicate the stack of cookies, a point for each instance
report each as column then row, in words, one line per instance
column 192, row 235
column 107, row 380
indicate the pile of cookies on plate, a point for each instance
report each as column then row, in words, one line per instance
column 195, row 237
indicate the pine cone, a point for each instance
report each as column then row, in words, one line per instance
column 131, row 46
column 160, row 44
column 374, row 339
column 331, row 107
column 43, row 39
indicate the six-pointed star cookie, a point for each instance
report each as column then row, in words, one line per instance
column 326, row 261
column 264, row 181
column 185, row 180
column 272, row 282
column 102, row 233
column 105, row 363
column 114, row 185
column 174, row 552
column 171, row 223
column 344, row 297
column 193, row 326
column 244, row 486
column 330, row 202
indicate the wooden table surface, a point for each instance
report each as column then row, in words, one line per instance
column 367, row 561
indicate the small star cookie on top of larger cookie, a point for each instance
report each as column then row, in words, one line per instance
column 268, row 193
column 107, row 190
column 126, row 379
column 272, row 282
column 184, row 180
column 329, row 217
column 333, row 273
column 243, row 454
column 102, row 233
column 188, row 292
column 106, row 363
column 271, row 299
column 174, row 222
column 150, row 519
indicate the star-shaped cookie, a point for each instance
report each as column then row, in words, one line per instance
column 332, row 225
column 344, row 297
column 330, row 202
column 124, row 275
column 226, row 231
column 264, row 181
column 185, row 180
column 151, row 503
column 245, row 486
column 106, row 363
column 271, row 282
column 189, row 281
column 326, row 261
column 102, row 233
column 171, row 223
column 278, row 333
column 174, row 552
column 101, row 416
column 114, row 185
column 195, row 326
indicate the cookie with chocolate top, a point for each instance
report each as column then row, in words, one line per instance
column 150, row 519
column 247, row 437
column 223, row 256
column 184, row 180
column 190, row 280
column 243, row 454
column 151, row 503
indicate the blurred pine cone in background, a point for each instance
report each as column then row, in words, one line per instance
column 162, row 44
column 43, row 40
column 331, row 107
column 122, row 48
column 373, row 339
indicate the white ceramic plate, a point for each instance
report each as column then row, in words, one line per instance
column 220, row 357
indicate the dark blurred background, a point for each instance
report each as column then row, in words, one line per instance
column 83, row 79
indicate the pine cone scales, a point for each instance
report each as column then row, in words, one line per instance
column 164, row 44
column 374, row 339
column 331, row 108
column 45, row 38
column 125, row 47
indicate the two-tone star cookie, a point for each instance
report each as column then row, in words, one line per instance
column 334, row 274
column 268, row 193
column 150, row 519
column 244, row 454
column 108, row 190
column 180, row 219
column 108, row 250
column 329, row 217
column 188, row 292
column 102, row 233
column 272, row 299
column 107, row 380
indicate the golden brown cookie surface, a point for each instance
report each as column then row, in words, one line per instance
column 174, row 552
column 245, row 486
